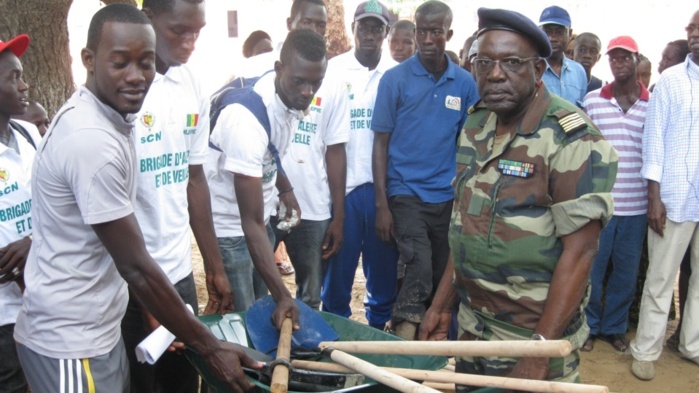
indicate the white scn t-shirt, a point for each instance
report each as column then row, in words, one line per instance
column 84, row 174
column 15, row 208
column 362, row 85
column 326, row 124
column 171, row 133
column 243, row 144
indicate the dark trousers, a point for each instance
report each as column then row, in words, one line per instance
column 172, row 372
column 12, row 378
column 421, row 232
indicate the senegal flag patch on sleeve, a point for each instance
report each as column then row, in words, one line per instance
column 192, row 119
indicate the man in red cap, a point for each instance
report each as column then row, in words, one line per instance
column 619, row 111
column 17, row 150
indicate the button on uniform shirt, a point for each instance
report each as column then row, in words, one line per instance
column 171, row 133
column 671, row 141
column 624, row 131
column 571, row 85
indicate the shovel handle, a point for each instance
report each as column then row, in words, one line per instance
column 280, row 374
column 376, row 373
column 527, row 385
column 514, row 348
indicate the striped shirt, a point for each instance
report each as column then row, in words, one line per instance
column 671, row 141
column 625, row 132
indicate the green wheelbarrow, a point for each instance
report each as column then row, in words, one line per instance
column 230, row 327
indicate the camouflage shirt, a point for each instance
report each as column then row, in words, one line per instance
column 514, row 203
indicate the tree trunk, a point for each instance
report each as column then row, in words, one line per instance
column 338, row 42
column 47, row 61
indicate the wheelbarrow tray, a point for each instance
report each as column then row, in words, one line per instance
column 348, row 330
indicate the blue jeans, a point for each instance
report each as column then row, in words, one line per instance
column 12, row 378
column 304, row 244
column 247, row 285
column 172, row 373
column 378, row 261
column 622, row 242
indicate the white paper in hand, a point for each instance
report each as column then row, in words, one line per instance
column 153, row 346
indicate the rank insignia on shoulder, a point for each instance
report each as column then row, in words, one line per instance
column 471, row 109
column 516, row 168
column 571, row 122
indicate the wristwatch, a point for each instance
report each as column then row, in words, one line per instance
column 537, row 337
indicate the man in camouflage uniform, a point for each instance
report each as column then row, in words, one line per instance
column 532, row 193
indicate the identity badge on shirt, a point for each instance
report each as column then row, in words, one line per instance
column 452, row 102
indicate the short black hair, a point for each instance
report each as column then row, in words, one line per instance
column 590, row 35
column 307, row 43
column 117, row 12
column 682, row 48
column 403, row 24
column 252, row 40
column 296, row 6
column 158, row 7
column 434, row 7
column 641, row 58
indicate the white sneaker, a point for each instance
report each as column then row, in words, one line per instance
column 643, row 370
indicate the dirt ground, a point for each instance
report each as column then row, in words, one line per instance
column 602, row 366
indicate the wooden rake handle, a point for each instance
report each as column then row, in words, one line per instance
column 549, row 348
column 385, row 377
column 527, row 385
column 280, row 374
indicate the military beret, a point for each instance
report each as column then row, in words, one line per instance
column 498, row 19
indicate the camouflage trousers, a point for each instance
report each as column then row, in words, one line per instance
column 477, row 326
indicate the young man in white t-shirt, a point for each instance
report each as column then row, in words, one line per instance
column 317, row 167
column 18, row 141
column 171, row 138
column 361, row 69
column 242, row 172
column 86, row 236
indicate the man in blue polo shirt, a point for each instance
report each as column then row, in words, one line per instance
column 422, row 107
column 563, row 77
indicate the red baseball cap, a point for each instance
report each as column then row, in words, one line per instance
column 17, row 45
column 623, row 42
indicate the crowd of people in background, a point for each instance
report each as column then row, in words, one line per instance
column 501, row 193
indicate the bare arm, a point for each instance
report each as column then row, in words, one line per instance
column 379, row 160
column 123, row 240
column 287, row 196
column 248, row 191
column 336, row 163
column 435, row 324
column 656, row 208
column 14, row 256
column 567, row 289
column 199, row 205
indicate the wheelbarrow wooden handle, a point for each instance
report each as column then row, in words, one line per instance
column 280, row 374
column 387, row 378
column 527, row 385
column 549, row 348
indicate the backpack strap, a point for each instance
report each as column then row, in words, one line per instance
column 23, row 131
column 248, row 98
